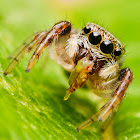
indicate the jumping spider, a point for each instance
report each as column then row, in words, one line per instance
column 92, row 55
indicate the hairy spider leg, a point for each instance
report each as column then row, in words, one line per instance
column 29, row 47
column 108, row 120
column 41, row 41
column 125, row 79
column 61, row 28
column 26, row 42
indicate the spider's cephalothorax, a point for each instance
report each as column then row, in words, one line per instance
column 92, row 55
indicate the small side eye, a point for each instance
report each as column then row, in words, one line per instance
column 87, row 30
column 95, row 38
column 106, row 46
column 117, row 52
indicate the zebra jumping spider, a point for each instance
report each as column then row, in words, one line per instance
column 93, row 56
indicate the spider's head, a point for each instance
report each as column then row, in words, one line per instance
column 107, row 44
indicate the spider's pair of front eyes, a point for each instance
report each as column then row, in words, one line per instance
column 106, row 46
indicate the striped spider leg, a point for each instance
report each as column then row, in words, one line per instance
column 125, row 78
column 40, row 42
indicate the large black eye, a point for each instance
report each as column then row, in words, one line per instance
column 87, row 29
column 95, row 38
column 117, row 52
column 106, row 46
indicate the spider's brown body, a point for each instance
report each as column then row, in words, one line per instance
column 92, row 55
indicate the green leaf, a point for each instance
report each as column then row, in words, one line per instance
column 32, row 105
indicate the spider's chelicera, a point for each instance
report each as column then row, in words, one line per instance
column 93, row 56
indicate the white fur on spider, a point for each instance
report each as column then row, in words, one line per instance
column 71, row 46
column 73, row 42
column 109, row 69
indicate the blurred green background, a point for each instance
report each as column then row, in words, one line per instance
column 31, row 105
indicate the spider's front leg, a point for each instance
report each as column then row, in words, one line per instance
column 40, row 42
column 125, row 78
